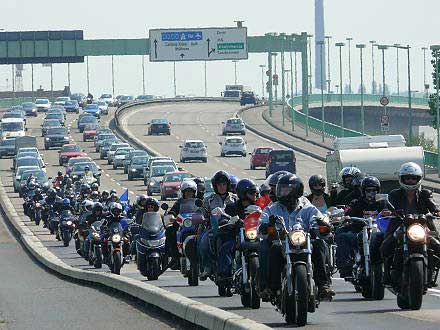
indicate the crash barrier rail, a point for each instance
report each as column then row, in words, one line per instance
column 333, row 130
column 10, row 101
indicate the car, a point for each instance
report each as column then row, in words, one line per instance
column 49, row 123
column 233, row 145
column 155, row 176
column 86, row 120
column 19, row 172
column 82, row 115
column 120, row 156
column 105, row 147
column 136, row 167
column 160, row 160
column 103, row 106
column 159, row 126
column 89, row 131
column 61, row 100
column 22, row 154
column 259, row 157
column 80, row 98
column 93, row 109
column 78, row 171
column 57, row 109
column 170, row 185
column 42, row 105
column 40, row 175
column 144, row 97
column 7, row 147
column 30, row 109
column 107, row 98
column 233, row 126
column 29, row 161
column 18, row 114
column 193, row 150
column 112, row 151
column 68, row 151
column 71, row 106
column 13, row 127
column 56, row 137
column 248, row 97
column 104, row 130
column 100, row 138
column 131, row 154
column 56, row 115
column 124, row 99
column 280, row 160
column 75, row 160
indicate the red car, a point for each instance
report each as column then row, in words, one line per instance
column 259, row 157
column 89, row 132
column 69, row 151
column 170, row 185
column 75, row 160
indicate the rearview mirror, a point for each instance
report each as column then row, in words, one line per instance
column 164, row 206
column 381, row 197
column 220, row 143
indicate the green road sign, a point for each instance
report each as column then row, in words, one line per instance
column 230, row 46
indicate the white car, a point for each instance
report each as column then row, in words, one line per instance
column 103, row 106
column 42, row 104
column 233, row 145
column 193, row 150
column 234, row 126
column 61, row 100
column 107, row 98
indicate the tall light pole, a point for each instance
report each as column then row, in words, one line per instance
column 68, row 74
column 88, row 75
column 350, row 91
column 296, row 75
column 309, row 38
column 13, row 81
column 410, row 131
column 262, row 66
column 51, row 80
column 113, row 77
column 328, row 64
column 235, row 71
column 143, row 75
column 174, row 79
column 425, row 87
column 397, row 68
column 361, row 48
column 206, row 80
column 32, row 82
column 275, row 72
column 321, row 50
column 383, row 48
column 373, row 81
column 340, row 45
column 283, row 80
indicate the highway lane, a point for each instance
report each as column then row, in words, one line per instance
column 33, row 298
column 348, row 310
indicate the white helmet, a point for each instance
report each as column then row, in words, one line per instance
column 189, row 184
column 87, row 205
column 410, row 169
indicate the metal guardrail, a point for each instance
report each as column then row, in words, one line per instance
column 330, row 129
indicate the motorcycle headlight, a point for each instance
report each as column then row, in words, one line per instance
column 151, row 183
column 116, row 238
column 47, row 139
column 37, row 205
column 297, row 238
column 69, row 223
column 416, row 233
column 187, row 223
column 251, row 234
column 95, row 235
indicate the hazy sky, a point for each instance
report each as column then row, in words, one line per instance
column 387, row 21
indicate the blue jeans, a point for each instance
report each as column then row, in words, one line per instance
column 205, row 254
column 346, row 241
column 86, row 246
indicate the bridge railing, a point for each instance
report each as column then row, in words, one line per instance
column 333, row 130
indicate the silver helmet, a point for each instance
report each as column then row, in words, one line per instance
column 410, row 169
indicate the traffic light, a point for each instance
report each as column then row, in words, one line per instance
column 275, row 79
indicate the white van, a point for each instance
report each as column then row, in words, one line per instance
column 12, row 127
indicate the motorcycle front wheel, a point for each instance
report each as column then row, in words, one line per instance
column 297, row 303
column 415, row 284
column 117, row 263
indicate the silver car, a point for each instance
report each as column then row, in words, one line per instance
column 136, row 167
column 120, row 155
column 193, row 150
column 233, row 146
column 234, row 126
column 112, row 151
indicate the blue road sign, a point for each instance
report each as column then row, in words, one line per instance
column 182, row 36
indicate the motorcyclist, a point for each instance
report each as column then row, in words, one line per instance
column 200, row 182
column 346, row 236
column 115, row 216
column 86, row 207
column 94, row 187
column 292, row 206
column 220, row 198
column 234, row 181
column 58, row 179
column 94, row 196
column 104, row 196
column 85, row 191
column 247, row 193
column 96, row 215
column 140, row 208
column 264, row 190
column 346, row 176
column 189, row 190
column 318, row 197
column 272, row 181
column 144, row 204
column 410, row 198
column 88, row 172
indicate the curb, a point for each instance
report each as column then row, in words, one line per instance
column 195, row 312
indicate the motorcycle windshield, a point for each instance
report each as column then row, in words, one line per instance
column 116, row 227
column 66, row 214
column 152, row 222
column 188, row 206
column 96, row 226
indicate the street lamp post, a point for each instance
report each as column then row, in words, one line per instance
column 383, row 48
column 275, row 72
column 32, row 82
column 235, row 71
column 349, row 65
column 424, row 71
column 373, row 82
column 143, row 75
column 321, row 50
column 68, row 74
column 340, row 45
column 13, row 82
column 283, row 80
column 88, row 75
column 51, row 80
column 262, row 66
column 397, row 68
column 328, row 63
column 206, row 80
column 296, row 76
column 361, row 48
column 113, row 77
column 309, row 37
column 174, row 79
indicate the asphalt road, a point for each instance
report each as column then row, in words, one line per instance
column 348, row 310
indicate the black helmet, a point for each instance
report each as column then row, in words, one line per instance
column 94, row 186
column 370, row 187
column 45, row 187
column 97, row 207
column 220, row 177
column 86, row 168
column 289, row 189
column 140, row 199
column 317, row 180
column 152, row 201
column 273, row 178
column 105, row 192
column 85, row 188
column 200, row 184
column 244, row 187
column 60, row 173
column 51, row 192
column 264, row 189
column 69, row 182
column 31, row 185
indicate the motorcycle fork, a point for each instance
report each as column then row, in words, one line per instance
column 366, row 248
column 243, row 260
column 288, row 268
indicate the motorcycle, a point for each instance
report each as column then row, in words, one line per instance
column 88, row 180
column 151, row 257
column 37, row 212
column 66, row 227
column 95, row 246
column 336, row 217
column 114, row 240
column 245, row 277
column 297, row 296
column 414, row 266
